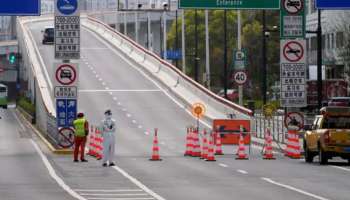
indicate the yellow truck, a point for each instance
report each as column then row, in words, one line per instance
column 329, row 135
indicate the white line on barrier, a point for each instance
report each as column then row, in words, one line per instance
column 93, row 190
column 138, row 183
column 108, row 90
column 342, row 168
column 242, row 171
column 294, row 189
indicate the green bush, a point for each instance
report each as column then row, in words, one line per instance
column 26, row 105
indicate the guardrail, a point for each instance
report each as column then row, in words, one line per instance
column 275, row 124
column 179, row 84
column 38, row 80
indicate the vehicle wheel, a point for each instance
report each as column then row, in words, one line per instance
column 5, row 106
column 309, row 156
column 322, row 157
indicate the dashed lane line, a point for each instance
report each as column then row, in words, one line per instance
column 122, row 190
column 242, row 171
column 222, row 165
column 342, row 168
column 294, row 189
column 115, row 194
column 97, row 198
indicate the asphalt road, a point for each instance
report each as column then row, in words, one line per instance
column 139, row 105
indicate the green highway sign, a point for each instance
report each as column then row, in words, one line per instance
column 292, row 17
column 230, row 4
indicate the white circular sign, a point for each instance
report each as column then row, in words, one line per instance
column 294, row 121
column 293, row 51
column 240, row 77
column 66, row 74
column 293, row 6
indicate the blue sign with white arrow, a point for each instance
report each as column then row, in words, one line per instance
column 67, row 7
column 20, row 7
column 333, row 4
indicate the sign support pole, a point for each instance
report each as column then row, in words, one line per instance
column 319, row 61
column 207, row 62
column 239, row 38
column 183, row 46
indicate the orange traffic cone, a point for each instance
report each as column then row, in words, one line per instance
column 204, row 154
column 189, row 143
column 211, row 149
column 98, row 144
column 155, row 149
column 268, row 154
column 218, row 150
column 241, row 155
column 91, row 147
column 196, row 146
column 293, row 146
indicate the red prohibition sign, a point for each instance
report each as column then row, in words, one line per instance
column 293, row 6
column 293, row 51
column 66, row 141
column 66, row 74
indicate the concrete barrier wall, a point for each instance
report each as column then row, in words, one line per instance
column 174, row 80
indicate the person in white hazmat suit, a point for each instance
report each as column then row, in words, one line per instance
column 108, row 130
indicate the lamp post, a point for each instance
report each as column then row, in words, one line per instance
column 225, row 55
column 196, row 59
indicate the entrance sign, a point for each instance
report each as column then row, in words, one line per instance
column 67, row 29
column 230, row 4
column 293, row 21
column 20, row 7
column 293, row 73
column 332, row 4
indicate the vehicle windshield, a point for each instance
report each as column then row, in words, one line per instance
column 2, row 89
column 333, row 122
column 50, row 31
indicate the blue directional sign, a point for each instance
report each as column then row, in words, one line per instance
column 20, row 7
column 67, row 7
column 333, row 4
column 173, row 54
column 66, row 110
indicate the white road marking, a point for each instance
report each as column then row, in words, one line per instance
column 223, row 165
column 111, row 93
column 118, row 194
column 93, row 190
column 342, row 168
column 100, row 79
column 162, row 143
column 121, row 104
column 139, row 127
column 87, row 63
column 94, row 73
column 128, row 115
column 138, row 183
column 242, row 171
column 134, row 121
column 19, row 122
column 145, row 75
column 97, row 198
column 115, row 98
column 103, row 83
column 294, row 189
column 108, row 90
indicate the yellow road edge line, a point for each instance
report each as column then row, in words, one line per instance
column 47, row 143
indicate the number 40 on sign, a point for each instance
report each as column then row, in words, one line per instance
column 240, row 77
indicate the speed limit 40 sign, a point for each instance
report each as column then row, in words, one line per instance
column 240, row 77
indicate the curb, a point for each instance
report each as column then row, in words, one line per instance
column 42, row 137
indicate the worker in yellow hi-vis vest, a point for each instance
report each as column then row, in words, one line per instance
column 81, row 127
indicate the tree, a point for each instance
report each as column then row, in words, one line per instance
column 251, row 38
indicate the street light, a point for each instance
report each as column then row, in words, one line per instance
column 265, row 33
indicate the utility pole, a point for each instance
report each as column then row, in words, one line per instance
column 207, row 60
column 263, row 81
column 239, row 38
column 225, row 55
column 196, row 59
column 183, row 42
column 164, row 35
column 319, row 61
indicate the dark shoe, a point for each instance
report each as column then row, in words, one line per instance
column 111, row 164
column 75, row 160
column 83, row 160
column 104, row 164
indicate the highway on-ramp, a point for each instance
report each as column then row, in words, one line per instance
column 140, row 104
